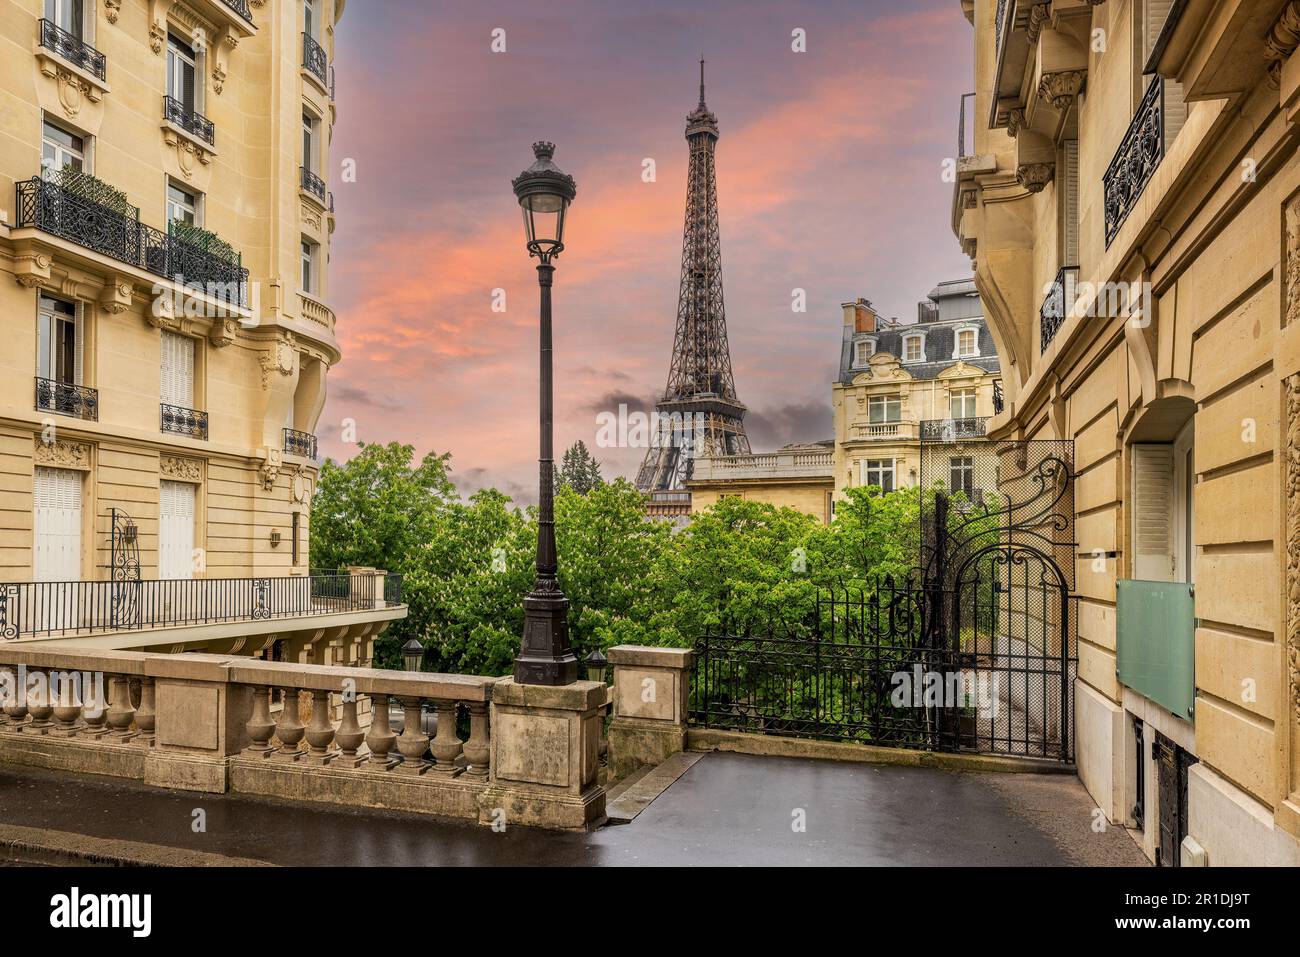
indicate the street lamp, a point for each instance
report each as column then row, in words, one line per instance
column 596, row 664
column 544, row 193
column 413, row 655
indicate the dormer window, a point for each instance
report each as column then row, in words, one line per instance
column 967, row 344
column 914, row 348
column 863, row 350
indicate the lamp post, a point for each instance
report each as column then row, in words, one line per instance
column 412, row 655
column 545, row 658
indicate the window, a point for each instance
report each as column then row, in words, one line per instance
column 59, row 148
column 181, row 72
column 878, row 472
column 883, row 408
column 1163, row 518
column 1154, row 13
column 961, row 403
column 1069, row 198
column 296, row 531
column 58, row 334
column 863, row 350
column 968, row 343
column 182, row 204
column 310, row 22
column 914, row 349
column 309, row 271
column 56, row 527
column 176, row 530
column 67, row 15
column 177, row 370
column 309, row 141
column 961, row 474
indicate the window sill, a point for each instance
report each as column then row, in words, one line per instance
column 52, row 65
column 178, row 137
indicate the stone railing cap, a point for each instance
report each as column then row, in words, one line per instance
column 406, row 684
column 648, row 655
column 579, row 696
column 43, row 655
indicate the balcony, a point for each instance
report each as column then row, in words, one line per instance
column 953, row 430
column 999, row 399
column 192, row 122
column 66, row 609
column 311, row 183
column 300, row 443
column 1139, row 153
column 181, row 421
column 314, row 60
column 93, row 215
column 64, row 398
column 782, row 464
column 72, row 49
column 1156, row 642
column 1056, row 305
column 240, row 7
column 883, row 431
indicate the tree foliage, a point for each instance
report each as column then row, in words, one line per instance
column 579, row 470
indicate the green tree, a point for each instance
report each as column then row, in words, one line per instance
column 579, row 470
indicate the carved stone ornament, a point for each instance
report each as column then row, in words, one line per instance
column 1293, row 540
column 218, row 78
column 1035, row 176
column 223, row 332
column 1281, row 41
column 1038, row 15
column 64, row 455
column 1060, row 89
column 270, row 469
column 281, row 358
column 157, row 36
column 1015, row 121
column 184, row 470
column 111, row 10
column 1292, row 256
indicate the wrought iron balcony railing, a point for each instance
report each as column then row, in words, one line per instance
column 999, row 400
column 311, row 183
column 241, row 8
column 182, row 421
column 35, row 609
column 73, row 49
column 300, row 443
column 1139, row 153
column 1056, row 305
column 78, row 217
column 999, row 24
column 952, row 430
column 190, row 121
column 64, row 398
column 314, row 60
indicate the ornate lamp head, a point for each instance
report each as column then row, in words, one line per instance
column 544, row 192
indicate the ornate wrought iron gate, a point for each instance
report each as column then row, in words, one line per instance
column 975, row 651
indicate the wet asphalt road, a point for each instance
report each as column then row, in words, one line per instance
column 728, row 809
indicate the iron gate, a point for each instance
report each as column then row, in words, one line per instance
column 974, row 651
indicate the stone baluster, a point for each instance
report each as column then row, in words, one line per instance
column 67, row 706
column 446, row 746
column 120, row 711
column 380, row 738
column 260, row 726
column 94, row 711
column 145, row 715
column 39, row 701
column 15, row 701
column 412, row 742
column 350, row 736
column 289, row 729
column 478, row 747
column 320, row 732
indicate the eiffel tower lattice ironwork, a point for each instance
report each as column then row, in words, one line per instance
column 699, row 413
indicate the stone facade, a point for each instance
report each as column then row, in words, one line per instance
column 796, row 476
column 1173, row 199
column 258, row 367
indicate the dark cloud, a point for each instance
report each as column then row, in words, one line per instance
column 610, row 401
column 345, row 392
column 786, row 424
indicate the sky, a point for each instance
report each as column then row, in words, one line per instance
column 829, row 181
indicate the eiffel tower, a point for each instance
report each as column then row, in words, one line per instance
column 699, row 413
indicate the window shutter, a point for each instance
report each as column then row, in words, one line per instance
column 1155, row 13
column 57, row 525
column 1070, row 197
column 78, row 337
column 176, row 530
column 1153, row 502
column 177, row 370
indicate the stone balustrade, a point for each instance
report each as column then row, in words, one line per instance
column 307, row 732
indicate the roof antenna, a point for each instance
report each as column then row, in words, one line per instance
column 701, row 80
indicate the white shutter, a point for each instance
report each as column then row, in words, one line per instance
column 1070, row 198
column 79, row 335
column 1154, row 15
column 175, row 530
column 57, row 525
column 1153, row 503
column 177, row 386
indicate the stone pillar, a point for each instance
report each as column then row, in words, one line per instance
column 650, row 691
column 200, row 722
column 544, row 743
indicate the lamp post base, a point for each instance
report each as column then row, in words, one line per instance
column 545, row 657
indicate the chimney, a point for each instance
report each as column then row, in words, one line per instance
column 864, row 316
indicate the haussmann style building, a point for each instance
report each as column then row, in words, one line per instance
column 1128, row 188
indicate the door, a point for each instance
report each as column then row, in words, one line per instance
column 1172, row 763
column 56, row 526
column 176, row 530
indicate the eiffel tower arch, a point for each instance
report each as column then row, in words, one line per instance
column 699, row 413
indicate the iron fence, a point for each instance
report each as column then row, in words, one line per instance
column 42, row 609
column 182, row 421
column 191, row 121
column 314, row 59
column 1056, row 305
column 65, row 398
column 73, row 49
column 300, row 443
column 1136, row 159
column 241, row 8
column 311, row 183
